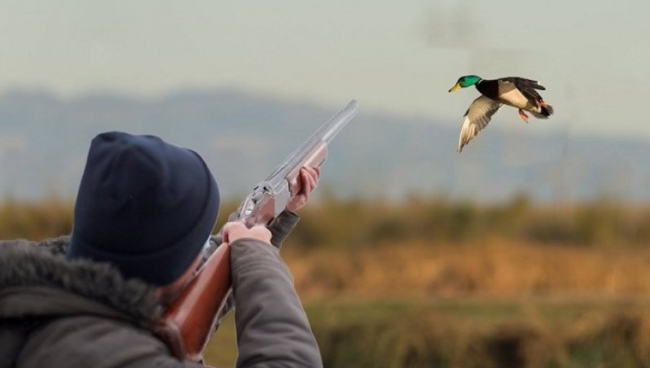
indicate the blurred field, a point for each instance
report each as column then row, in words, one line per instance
column 497, row 267
column 431, row 282
column 497, row 305
column 566, row 331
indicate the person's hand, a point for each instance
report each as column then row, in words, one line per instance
column 307, row 181
column 236, row 230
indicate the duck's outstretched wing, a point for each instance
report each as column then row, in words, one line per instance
column 477, row 117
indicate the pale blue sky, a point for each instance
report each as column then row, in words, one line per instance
column 593, row 57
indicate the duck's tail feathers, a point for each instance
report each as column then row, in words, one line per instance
column 547, row 110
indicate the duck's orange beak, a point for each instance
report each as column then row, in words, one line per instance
column 456, row 87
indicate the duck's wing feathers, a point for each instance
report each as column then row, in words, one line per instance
column 527, row 87
column 477, row 117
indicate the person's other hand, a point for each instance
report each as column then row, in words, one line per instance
column 307, row 181
column 236, row 230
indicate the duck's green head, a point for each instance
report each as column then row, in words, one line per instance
column 465, row 81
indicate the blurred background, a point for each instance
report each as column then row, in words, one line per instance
column 530, row 249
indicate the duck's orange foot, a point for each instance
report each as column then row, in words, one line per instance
column 523, row 116
column 542, row 104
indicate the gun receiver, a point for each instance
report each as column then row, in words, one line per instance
column 187, row 325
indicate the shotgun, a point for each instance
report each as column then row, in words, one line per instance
column 188, row 323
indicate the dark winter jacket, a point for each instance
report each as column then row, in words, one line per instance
column 60, row 313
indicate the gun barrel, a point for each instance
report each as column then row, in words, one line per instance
column 322, row 136
column 339, row 121
column 271, row 196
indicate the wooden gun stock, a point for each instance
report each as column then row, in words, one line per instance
column 188, row 323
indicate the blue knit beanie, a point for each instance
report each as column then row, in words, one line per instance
column 144, row 205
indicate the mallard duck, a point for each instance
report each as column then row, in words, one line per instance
column 514, row 91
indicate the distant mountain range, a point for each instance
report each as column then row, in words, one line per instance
column 44, row 140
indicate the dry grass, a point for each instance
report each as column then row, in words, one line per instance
column 496, row 267
column 35, row 220
column 473, row 333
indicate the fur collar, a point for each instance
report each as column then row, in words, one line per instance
column 26, row 263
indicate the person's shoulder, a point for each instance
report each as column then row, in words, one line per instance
column 88, row 340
